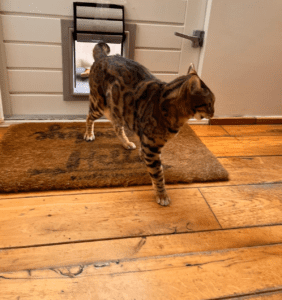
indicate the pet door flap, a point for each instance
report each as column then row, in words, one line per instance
column 94, row 22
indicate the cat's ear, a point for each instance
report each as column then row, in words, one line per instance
column 191, row 69
column 195, row 85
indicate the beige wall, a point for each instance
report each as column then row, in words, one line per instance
column 242, row 59
column 32, row 40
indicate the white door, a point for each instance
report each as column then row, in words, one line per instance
column 242, row 57
column 32, row 44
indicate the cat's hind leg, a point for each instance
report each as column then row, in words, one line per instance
column 119, row 130
column 95, row 112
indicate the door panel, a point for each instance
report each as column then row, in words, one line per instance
column 195, row 18
column 242, row 58
column 34, row 58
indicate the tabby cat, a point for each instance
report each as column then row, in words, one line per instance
column 129, row 95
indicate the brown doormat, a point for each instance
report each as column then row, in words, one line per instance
column 52, row 156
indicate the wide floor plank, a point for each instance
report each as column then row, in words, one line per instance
column 251, row 170
column 239, row 206
column 196, row 276
column 101, row 252
column 257, row 130
column 206, row 130
column 244, row 146
column 264, row 296
column 59, row 219
column 119, row 244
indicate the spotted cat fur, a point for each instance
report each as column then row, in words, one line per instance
column 129, row 95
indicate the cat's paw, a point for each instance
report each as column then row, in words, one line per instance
column 129, row 146
column 163, row 199
column 89, row 137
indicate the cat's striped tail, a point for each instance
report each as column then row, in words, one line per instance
column 100, row 50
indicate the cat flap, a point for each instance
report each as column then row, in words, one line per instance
column 96, row 22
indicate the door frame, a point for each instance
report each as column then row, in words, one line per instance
column 5, row 103
column 195, row 19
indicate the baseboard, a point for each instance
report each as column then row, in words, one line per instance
column 246, row 120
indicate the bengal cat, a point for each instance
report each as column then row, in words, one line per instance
column 129, row 95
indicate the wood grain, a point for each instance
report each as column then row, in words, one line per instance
column 43, row 220
column 151, row 262
column 233, row 121
column 250, row 170
column 244, row 146
column 269, row 120
column 205, row 130
column 196, row 276
column 257, row 130
column 53, row 256
column 264, row 296
column 250, row 205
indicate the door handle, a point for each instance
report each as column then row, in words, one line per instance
column 197, row 38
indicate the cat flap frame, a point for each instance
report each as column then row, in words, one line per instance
column 68, row 51
column 97, row 22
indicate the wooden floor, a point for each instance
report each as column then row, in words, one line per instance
column 218, row 240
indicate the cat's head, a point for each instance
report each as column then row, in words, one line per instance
column 201, row 97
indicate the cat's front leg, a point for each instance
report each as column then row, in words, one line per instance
column 119, row 130
column 152, row 159
column 89, row 134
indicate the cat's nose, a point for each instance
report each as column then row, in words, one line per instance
column 211, row 112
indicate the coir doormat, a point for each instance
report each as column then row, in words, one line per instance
column 52, row 156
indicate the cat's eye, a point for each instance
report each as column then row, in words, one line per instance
column 201, row 105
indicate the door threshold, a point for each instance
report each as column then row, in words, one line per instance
column 11, row 121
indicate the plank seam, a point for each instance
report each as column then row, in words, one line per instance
column 35, row 93
column 146, row 189
column 158, row 48
column 224, row 129
column 250, row 295
column 199, row 189
column 146, row 236
column 32, row 43
column 35, row 15
column 34, row 69
column 248, row 156
column 155, row 257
